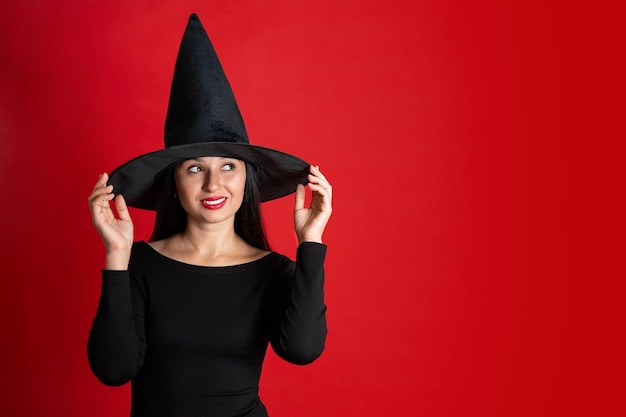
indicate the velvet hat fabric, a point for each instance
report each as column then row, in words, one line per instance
column 203, row 119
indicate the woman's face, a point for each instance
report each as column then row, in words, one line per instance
column 211, row 188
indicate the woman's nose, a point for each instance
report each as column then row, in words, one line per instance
column 211, row 181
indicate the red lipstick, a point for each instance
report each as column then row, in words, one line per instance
column 214, row 203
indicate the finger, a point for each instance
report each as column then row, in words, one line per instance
column 121, row 207
column 101, row 187
column 316, row 175
column 102, row 180
column 315, row 171
column 318, row 180
column 101, row 209
column 300, row 194
column 322, row 184
column 105, row 191
column 318, row 188
column 100, row 192
column 322, row 192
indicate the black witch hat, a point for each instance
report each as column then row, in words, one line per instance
column 203, row 119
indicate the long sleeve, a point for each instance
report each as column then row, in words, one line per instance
column 116, row 344
column 298, row 319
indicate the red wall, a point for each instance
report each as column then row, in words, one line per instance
column 457, row 283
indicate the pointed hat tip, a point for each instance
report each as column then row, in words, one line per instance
column 194, row 23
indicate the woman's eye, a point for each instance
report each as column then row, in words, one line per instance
column 229, row 167
column 194, row 168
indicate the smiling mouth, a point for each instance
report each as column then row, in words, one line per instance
column 214, row 203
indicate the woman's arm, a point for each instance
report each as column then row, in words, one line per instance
column 117, row 345
column 297, row 325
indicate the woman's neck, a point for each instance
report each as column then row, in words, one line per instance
column 209, row 242
column 208, row 246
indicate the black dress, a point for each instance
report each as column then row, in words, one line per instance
column 192, row 339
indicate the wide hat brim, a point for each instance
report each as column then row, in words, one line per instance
column 278, row 173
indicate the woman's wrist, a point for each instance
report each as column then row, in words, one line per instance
column 117, row 260
column 312, row 239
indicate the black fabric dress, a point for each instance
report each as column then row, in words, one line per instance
column 192, row 339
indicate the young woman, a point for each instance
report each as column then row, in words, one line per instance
column 187, row 317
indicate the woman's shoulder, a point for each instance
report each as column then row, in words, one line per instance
column 142, row 253
column 140, row 247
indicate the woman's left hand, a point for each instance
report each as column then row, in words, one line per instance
column 310, row 222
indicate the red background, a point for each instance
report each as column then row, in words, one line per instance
column 458, row 283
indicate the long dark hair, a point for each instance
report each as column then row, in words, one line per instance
column 171, row 218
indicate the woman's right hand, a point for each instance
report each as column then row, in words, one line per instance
column 116, row 232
